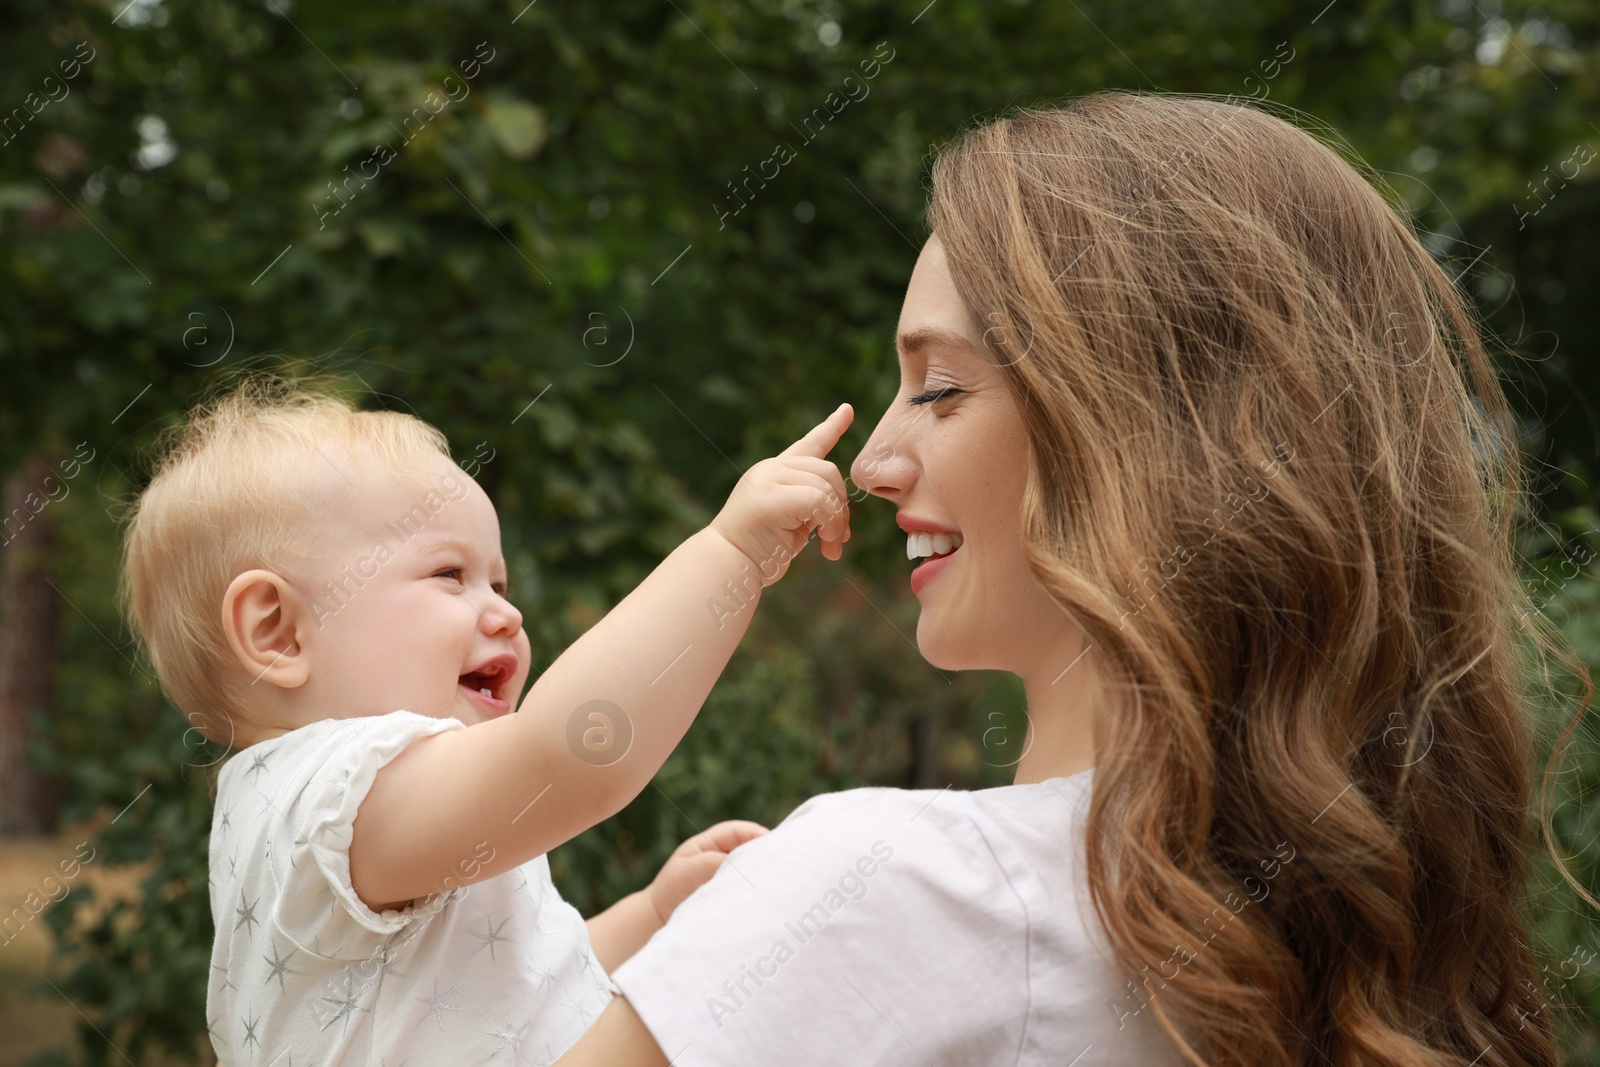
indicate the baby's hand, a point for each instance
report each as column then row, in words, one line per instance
column 770, row 514
column 693, row 863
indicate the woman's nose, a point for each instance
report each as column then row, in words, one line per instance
column 882, row 468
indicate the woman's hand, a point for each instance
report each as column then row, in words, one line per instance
column 778, row 502
column 692, row 864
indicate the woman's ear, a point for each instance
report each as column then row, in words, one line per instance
column 262, row 618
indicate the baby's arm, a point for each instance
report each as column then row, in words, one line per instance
column 622, row 929
column 515, row 781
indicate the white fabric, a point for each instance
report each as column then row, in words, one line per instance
column 303, row 972
column 895, row 927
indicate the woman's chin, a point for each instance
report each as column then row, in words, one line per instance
column 943, row 649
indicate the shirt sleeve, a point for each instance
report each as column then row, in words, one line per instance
column 316, row 903
column 871, row 926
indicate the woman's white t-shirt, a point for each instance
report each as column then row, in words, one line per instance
column 303, row 972
column 899, row 927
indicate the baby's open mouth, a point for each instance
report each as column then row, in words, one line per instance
column 488, row 681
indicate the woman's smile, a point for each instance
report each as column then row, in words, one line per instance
column 928, row 539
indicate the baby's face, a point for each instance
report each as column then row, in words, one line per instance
column 407, row 603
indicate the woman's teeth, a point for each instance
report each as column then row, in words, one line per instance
column 931, row 544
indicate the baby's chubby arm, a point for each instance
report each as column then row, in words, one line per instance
column 515, row 783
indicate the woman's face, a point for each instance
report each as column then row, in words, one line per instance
column 951, row 454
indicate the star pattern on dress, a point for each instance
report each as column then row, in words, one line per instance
column 541, row 954
column 250, row 1031
column 386, row 962
column 488, row 939
column 591, row 966
column 280, row 967
column 227, row 983
column 348, row 1006
column 440, row 1004
column 510, row 1038
column 577, row 1009
column 247, row 914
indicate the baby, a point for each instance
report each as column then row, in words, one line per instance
column 323, row 590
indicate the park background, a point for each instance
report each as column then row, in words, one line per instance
column 560, row 259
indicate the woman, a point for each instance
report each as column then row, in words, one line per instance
column 1227, row 480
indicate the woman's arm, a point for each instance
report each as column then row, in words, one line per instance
column 617, row 1039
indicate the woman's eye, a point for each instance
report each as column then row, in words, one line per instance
column 935, row 394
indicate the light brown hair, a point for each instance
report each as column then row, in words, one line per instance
column 1276, row 482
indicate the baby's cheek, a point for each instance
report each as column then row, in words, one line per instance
column 524, row 658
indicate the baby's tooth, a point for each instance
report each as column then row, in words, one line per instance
column 941, row 543
column 486, row 692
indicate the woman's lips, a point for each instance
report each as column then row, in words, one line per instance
column 492, row 705
column 930, row 570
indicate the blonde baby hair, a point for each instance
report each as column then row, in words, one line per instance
column 242, row 483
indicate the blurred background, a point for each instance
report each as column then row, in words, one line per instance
column 566, row 235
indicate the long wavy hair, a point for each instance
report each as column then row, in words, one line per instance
column 1276, row 481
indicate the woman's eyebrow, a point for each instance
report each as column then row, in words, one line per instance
column 909, row 344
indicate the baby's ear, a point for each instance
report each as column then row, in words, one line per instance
column 262, row 617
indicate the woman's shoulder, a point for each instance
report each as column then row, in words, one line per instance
column 1009, row 817
column 999, row 849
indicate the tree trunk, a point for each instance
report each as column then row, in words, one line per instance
column 30, row 611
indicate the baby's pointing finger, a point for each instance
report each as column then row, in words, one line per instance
column 824, row 435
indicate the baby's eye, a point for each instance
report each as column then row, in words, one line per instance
column 455, row 572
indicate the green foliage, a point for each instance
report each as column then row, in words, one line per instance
column 569, row 269
column 1566, row 591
